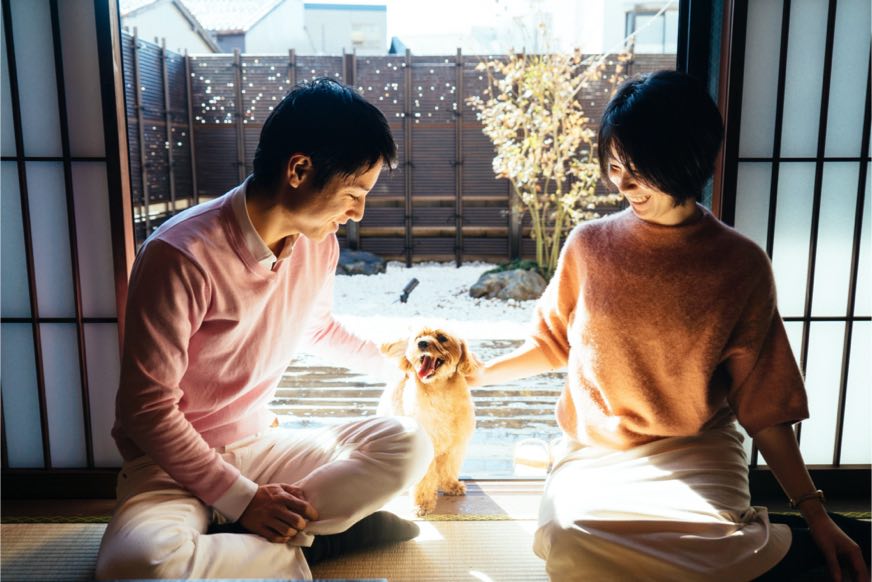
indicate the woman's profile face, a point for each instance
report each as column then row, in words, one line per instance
column 647, row 202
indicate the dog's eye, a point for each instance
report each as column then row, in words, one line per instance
column 441, row 338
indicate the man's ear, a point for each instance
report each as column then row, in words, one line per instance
column 299, row 170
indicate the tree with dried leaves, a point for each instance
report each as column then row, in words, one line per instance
column 545, row 145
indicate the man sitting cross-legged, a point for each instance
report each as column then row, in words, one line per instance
column 221, row 296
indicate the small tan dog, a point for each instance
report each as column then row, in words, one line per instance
column 434, row 392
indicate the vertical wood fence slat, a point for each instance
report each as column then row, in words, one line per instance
column 458, row 160
column 140, row 133
column 195, row 192
column 349, row 77
column 169, row 128
column 240, row 114
column 407, row 155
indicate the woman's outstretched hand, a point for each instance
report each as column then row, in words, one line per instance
column 277, row 512
column 842, row 554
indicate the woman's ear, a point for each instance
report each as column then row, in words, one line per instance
column 469, row 362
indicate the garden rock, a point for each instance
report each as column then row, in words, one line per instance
column 359, row 263
column 518, row 284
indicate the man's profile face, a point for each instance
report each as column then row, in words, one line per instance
column 342, row 198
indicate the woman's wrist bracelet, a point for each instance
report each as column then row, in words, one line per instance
column 819, row 495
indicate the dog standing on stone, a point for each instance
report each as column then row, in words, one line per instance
column 434, row 392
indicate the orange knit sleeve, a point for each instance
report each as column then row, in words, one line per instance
column 554, row 310
column 767, row 388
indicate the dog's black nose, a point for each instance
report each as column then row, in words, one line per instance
column 422, row 345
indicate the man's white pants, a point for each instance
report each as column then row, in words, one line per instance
column 347, row 472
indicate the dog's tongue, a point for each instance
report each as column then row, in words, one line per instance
column 428, row 364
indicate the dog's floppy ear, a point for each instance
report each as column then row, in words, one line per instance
column 396, row 350
column 469, row 362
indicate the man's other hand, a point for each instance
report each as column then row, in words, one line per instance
column 277, row 512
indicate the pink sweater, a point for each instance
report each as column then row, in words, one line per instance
column 666, row 330
column 210, row 330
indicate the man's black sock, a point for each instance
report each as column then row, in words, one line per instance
column 382, row 527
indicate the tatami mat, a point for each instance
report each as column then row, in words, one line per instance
column 449, row 551
column 49, row 551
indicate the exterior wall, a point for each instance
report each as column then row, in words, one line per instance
column 280, row 30
column 334, row 27
column 229, row 42
column 167, row 22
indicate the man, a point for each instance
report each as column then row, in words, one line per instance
column 220, row 298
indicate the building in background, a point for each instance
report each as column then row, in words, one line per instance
column 332, row 28
column 170, row 20
column 262, row 26
column 424, row 27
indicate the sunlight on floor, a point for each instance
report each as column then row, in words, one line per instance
column 429, row 533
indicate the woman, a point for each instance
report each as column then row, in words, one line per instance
column 666, row 320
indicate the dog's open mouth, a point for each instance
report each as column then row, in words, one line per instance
column 428, row 365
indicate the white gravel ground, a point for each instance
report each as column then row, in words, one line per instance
column 370, row 306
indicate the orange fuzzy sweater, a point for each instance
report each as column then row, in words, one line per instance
column 666, row 331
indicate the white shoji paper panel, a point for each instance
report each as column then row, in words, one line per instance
column 51, row 243
column 63, row 394
column 16, row 296
column 93, row 230
column 20, row 397
column 34, row 56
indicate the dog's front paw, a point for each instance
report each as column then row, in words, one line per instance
column 454, row 488
column 425, row 507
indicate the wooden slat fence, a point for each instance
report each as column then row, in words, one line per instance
column 442, row 201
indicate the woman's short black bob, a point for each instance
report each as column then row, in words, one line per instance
column 665, row 130
column 327, row 121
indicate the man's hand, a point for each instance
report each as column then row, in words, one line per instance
column 277, row 512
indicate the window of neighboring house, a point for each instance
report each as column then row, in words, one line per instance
column 655, row 32
column 365, row 35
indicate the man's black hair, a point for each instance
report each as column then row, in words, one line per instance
column 327, row 121
column 665, row 130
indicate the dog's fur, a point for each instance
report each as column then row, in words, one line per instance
column 434, row 392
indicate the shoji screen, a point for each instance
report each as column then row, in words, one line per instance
column 802, row 193
column 59, row 320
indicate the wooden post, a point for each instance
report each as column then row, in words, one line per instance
column 240, row 115
column 349, row 74
column 408, row 117
column 458, row 161
column 140, row 135
column 516, row 216
column 171, row 173
column 515, row 219
column 292, row 68
column 195, row 194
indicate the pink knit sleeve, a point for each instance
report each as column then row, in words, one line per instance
column 167, row 301
column 551, row 318
column 329, row 339
column 767, row 388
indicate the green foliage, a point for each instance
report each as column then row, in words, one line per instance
column 523, row 264
column 544, row 142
